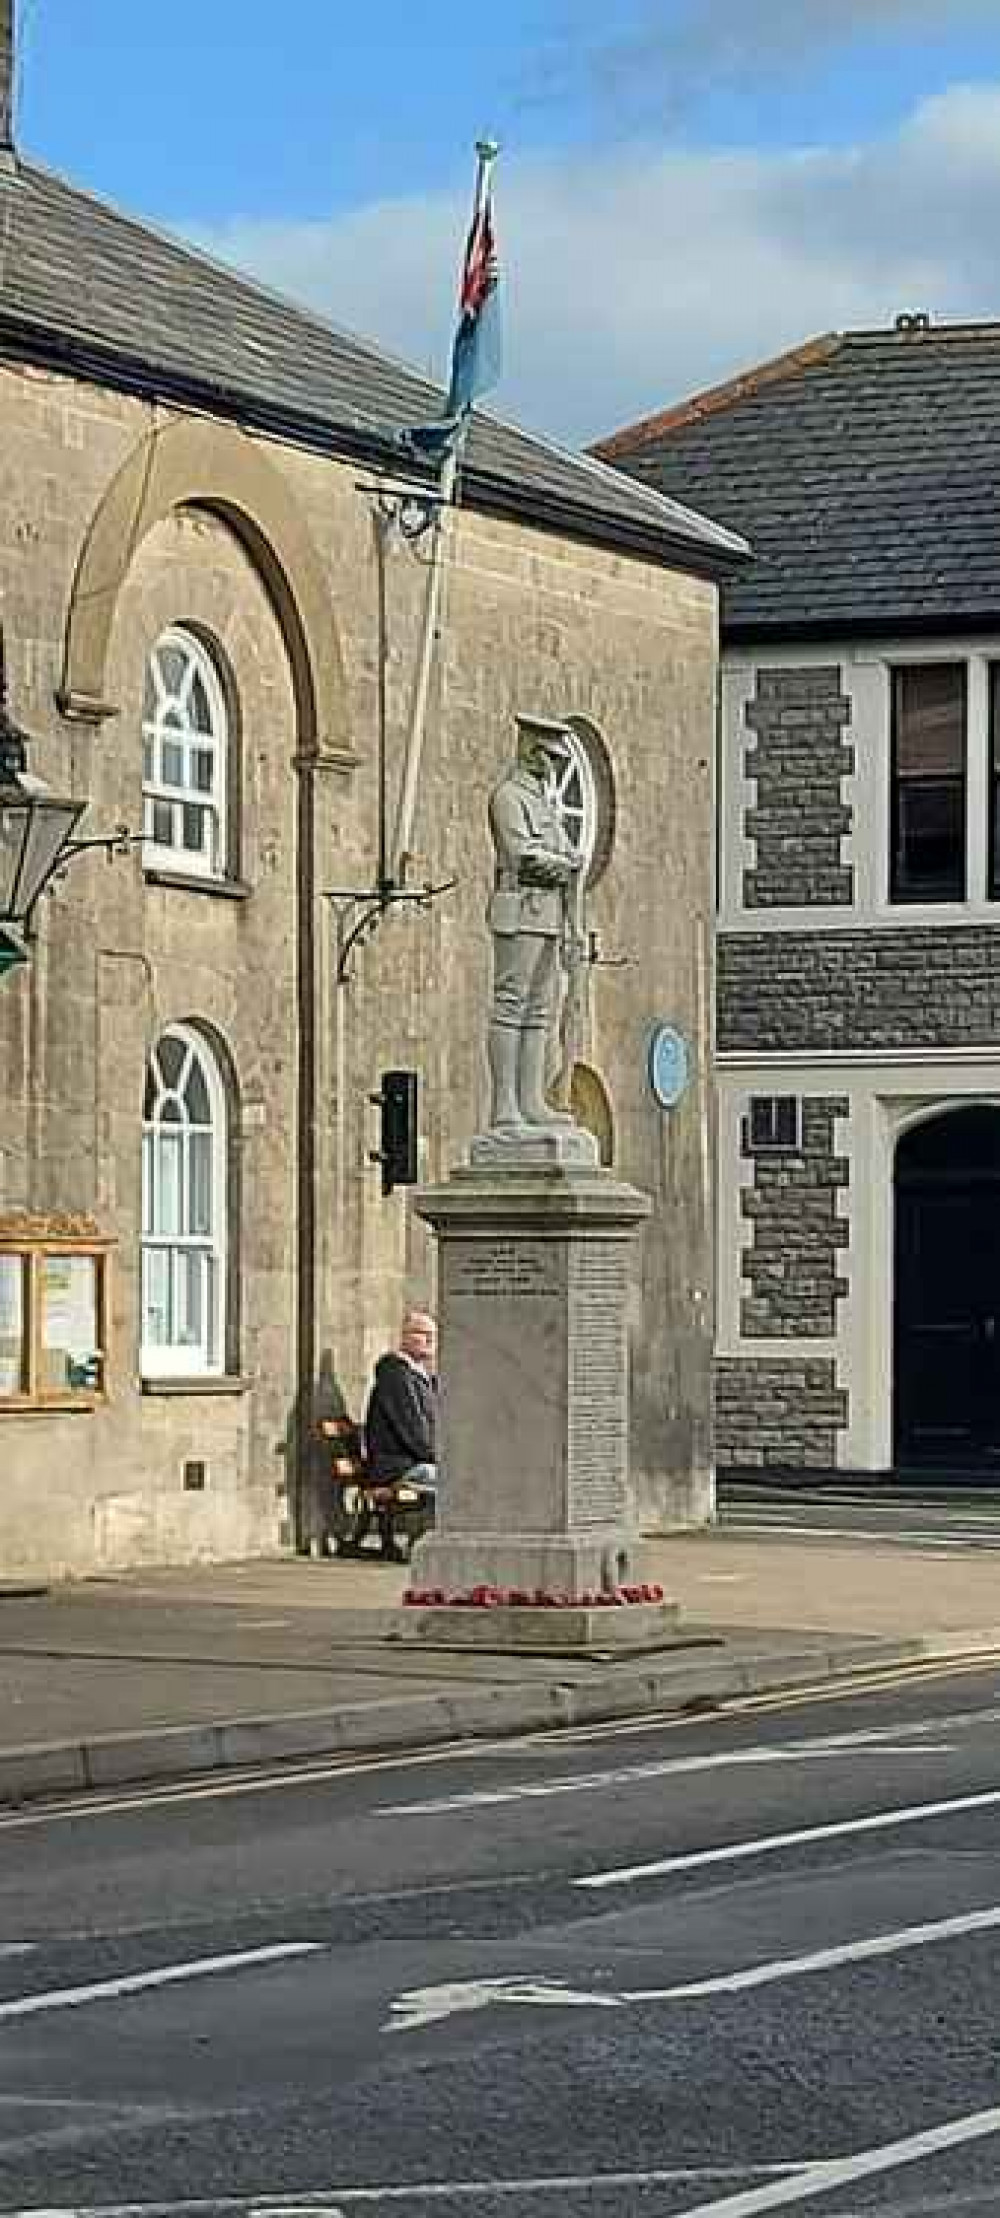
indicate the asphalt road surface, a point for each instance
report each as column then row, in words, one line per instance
column 949, row 1517
column 744, row 1964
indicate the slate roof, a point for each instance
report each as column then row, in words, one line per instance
column 864, row 468
column 88, row 289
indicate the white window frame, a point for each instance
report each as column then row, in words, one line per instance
column 156, row 790
column 172, row 1359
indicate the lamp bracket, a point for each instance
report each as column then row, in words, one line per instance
column 359, row 911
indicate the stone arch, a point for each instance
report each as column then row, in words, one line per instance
column 196, row 463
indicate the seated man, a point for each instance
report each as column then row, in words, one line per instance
column 401, row 1418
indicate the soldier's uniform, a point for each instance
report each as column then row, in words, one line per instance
column 526, row 915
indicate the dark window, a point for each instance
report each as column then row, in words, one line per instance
column 928, row 782
column 774, row 1121
column 994, row 866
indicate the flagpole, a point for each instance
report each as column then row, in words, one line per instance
column 486, row 154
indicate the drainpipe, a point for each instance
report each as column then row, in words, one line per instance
column 306, row 1167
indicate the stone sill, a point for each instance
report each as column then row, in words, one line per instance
column 54, row 1405
column 198, row 1383
column 223, row 889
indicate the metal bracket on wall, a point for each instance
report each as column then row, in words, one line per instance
column 374, row 903
column 400, row 512
column 597, row 961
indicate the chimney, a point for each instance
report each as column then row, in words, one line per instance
column 6, row 77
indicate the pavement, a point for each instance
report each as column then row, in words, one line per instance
column 162, row 1675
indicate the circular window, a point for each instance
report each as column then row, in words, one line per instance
column 585, row 796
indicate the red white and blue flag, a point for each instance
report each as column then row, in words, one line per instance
column 475, row 360
column 476, row 352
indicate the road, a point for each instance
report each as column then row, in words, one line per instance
column 945, row 1517
column 739, row 1964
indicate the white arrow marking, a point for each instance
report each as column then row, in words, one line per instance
column 137, row 1983
column 427, row 2005
column 896, row 1742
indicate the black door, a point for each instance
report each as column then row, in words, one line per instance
column 947, row 1323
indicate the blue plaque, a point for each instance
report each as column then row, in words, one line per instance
column 669, row 1066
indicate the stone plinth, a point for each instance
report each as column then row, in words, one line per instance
column 534, row 1266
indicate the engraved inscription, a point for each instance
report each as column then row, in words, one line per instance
column 598, row 1444
column 503, row 1270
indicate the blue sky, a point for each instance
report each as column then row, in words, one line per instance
column 205, row 110
column 328, row 148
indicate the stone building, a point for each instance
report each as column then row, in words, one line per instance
column 195, row 1252
column 858, row 977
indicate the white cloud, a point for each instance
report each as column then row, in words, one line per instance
column 636, row 278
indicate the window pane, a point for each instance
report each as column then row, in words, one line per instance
column 203, row 769
column 168, row 1183
column 200, row 1184
column 173, row 763
column 173, row 664
column 930, row 848
column 148, row 1181
column 163, row 823
column 12, row 1369
column 196, row 1099
column 156, row 1297
column 70, row 1357
column 170, row 1054
column 928, row 760
column 201, row 714
column 930, row 720
column 995, row 777
column 195, row 828
column 191, row 1308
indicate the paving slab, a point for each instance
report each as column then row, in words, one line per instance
column 170, row 1674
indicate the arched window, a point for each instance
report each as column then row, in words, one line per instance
column 185, row 740
column 183, row 1208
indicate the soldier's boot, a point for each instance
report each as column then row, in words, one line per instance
column 502, row 1043
column 531, row 1086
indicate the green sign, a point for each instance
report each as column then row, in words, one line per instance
column 12, row 949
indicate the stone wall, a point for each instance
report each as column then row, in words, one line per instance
column 533, row 623
column 797, row 1236
column 926, row 986
column 798, row 761
column 780, row 1414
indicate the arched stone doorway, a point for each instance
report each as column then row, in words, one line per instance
column 947, row 1294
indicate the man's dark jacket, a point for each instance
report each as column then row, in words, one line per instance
column 400, row 1418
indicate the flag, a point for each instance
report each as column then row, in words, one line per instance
column 475, row 360
column 476, row 352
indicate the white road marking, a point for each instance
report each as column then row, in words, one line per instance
column 88, row 1805
column 421, row 2006
column 166, row 1975
column 735, row 1852
column 845, row 2171
column 320, row 2205
column 881, row 1743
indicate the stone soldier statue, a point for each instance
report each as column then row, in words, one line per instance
column 528, row 918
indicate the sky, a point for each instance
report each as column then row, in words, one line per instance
column 678, row 196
